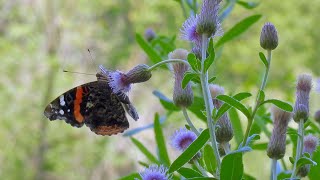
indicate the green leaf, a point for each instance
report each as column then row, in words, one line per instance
column 188, row 76
column 166, row 102
column 197, row 107
column 202, row 178
column 238, row 29
column 209, row 159
column 248, row 5
column 252, row 138
column 234, row 103
column 145, row 151
column 237, row 125
column 261, row 96
column 194, row 62
column 280, row 104
column 131, row 176
column 225, row 107
column 291, row 159
column 152, row 54
column 304, row 161
column 263, row 59
column 232, row 166
column 212, row 79
column 209, row 60
column 163, row 154
column 260, row 146
column 144, row 164
column 314, row 170
column 191, row 151
column 188, row 173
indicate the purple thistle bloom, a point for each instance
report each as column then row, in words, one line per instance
column 182, row 138
column 189, row 30
column 155, row 172
column 208, row 21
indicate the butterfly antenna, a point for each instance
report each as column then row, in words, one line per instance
column 74, row 72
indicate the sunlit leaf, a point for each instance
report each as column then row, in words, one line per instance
column 232, row 166
column 145, row 151
column 280, row 104
column 161, row 143
column 234, row 103
column 152, row 54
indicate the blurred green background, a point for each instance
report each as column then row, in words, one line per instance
column 38, row 38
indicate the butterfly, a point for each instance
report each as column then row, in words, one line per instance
column 94, row 104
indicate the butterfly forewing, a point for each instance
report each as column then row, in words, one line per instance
column 93, row 104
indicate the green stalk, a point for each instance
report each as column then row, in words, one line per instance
column 167, row 61
column 208, row 101
column 203, row 171
column 194, row 129
column 257, row 104
column 299, row 147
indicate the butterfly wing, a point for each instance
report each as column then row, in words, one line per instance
column 92, row 104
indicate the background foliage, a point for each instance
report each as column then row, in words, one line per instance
column 38, row 38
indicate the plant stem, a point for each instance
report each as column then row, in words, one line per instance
column 299, row 147
column 274, row 169
column 208, row 102
column 257, row 103
column 194, row 129
column 183, row 9
column 204, row 172
column 226, row 147
column 167, row 61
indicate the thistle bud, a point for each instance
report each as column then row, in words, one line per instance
column 277, row 145
column 224, row 131
column 149, row 34
column 181, row 97
column 208, row 22
column 317, row 116
column 310, row 143
column 301, row 108
column 138, row 74
column 269, row 37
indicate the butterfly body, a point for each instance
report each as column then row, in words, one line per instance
column 95, row 105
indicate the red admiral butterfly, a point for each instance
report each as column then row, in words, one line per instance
column 94, row 104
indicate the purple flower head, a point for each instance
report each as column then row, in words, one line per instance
column 318, row 85
column 117, row 80
column 310, row 144
column 208, row 22
column 189, row 30
column 182, row 138
column 155, row 172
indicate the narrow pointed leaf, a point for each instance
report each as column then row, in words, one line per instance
column 212, row 79
column 194, row 62
column 152, row 54
column 163, row 154
column 236, row 124
column 263, row 59
column 209, row 159
column 232, row 166
column 238, row 29
column 130, row 176
column 234, row 103
column 166, row 102
column 248, row 5
column 145, row 151
column 280, row 104
column 225, row 107
column 209, row 60
column 188, row 173
column 261, row 96
column 187, row 78
column 191, row 151
column 304, row 161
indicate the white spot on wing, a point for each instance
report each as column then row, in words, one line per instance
column 62, row 102
column 61, row 112
column 68, row 110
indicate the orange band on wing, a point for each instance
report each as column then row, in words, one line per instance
column 77, row 114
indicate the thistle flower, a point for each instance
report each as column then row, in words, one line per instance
column 208, row 22
column 301, row 108
column 224, row 131
column 189, row 30
column 277, row 145
column 155, row 172
column 149, row 34
column 269, row 37
column 310, row 145
column 317, row 116
column 120, row 82
column 182, row 138
column 181, row 97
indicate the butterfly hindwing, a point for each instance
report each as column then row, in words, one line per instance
column 92, row 104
